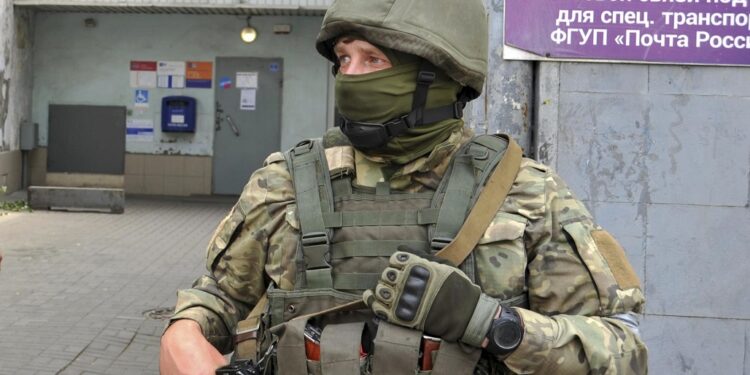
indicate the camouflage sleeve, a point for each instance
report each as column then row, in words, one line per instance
column 259, row 234
column 582, row 293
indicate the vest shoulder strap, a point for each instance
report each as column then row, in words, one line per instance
column 486, row 205
column 464, row 179
column 312, row 186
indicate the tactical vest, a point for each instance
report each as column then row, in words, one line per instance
column 347, row 234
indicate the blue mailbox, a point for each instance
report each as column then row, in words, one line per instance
column 178, row 114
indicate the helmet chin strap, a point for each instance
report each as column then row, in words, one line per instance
column 366, row 136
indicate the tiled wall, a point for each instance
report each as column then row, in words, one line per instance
column 38, row 167
column 167, row 174
column 10, row 163
column 147, row 174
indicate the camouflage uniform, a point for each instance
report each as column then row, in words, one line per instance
column 543, row 242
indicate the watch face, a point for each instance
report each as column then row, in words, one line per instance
column 506, row 335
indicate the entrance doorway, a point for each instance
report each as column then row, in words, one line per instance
column 247, row 119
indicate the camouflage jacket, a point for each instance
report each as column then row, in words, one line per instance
column 581, row 290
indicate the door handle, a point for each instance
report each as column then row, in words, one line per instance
column 217, row 119
column 234, row 127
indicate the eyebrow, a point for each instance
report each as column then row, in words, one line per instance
column 340, row 41
column 361, row 48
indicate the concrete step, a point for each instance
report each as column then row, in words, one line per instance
column 77, row 199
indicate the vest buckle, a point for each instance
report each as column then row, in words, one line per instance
column 438, row 243
column 303, row 147
column 314, row 239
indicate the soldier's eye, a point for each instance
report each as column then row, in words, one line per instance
column 344, row 59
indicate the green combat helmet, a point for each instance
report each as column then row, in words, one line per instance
column 449, row 35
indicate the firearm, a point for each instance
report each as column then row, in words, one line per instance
column 240, row 368
column 247, row 367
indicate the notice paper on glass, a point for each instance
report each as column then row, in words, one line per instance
column 247, row 100
column 247, row 80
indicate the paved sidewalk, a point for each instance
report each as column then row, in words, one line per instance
column 85, row 293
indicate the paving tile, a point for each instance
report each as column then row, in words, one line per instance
column 74, row 298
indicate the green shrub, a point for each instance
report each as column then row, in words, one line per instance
column 12, row 206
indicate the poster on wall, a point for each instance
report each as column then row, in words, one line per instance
column 139, row 130
column 247, row 100
column 142, row 74
column 170, row 74
column 677, row 31
column 199, row 74
column 140, row 99
column 247, row 80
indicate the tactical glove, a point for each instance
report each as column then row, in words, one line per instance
column 435, row 298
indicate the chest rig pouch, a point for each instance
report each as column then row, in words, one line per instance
column 347, row 235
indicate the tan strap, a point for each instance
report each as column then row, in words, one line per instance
column 246, row 336
column 488, row 204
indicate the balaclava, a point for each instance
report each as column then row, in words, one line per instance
column 382, row 96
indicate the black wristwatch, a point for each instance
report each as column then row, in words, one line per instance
column 505, row 333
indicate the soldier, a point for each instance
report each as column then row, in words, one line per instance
column 361, row 214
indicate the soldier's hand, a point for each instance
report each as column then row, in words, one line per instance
column 184, row 350
column 435, row 298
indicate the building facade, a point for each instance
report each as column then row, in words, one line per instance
column 659, row 153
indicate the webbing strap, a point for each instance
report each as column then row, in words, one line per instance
column 319, row 278
column 425, row 78
column 383, row 188
column 396, row 350
column 342, row 186
column 399, row 125
column 246, row 336
column 456, row 359
column 340, row 219
column 314, row 198
column 339, row 348
column 487, row 205
column 521, row 300
column 456, row 201
column 371, row 248
column 355, row 281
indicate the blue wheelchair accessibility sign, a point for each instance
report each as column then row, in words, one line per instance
column 141, row 98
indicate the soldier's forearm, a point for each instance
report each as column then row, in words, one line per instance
column 572, row 344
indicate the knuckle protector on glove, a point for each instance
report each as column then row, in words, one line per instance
column 384, row 293
column 380, row 311
column 390, row 276
column 399, row 259
column 411, row 297
column 368, row 297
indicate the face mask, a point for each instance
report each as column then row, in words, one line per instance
column 378, row 96
column 369, row 100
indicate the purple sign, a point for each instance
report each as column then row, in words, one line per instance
column 715, row 32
